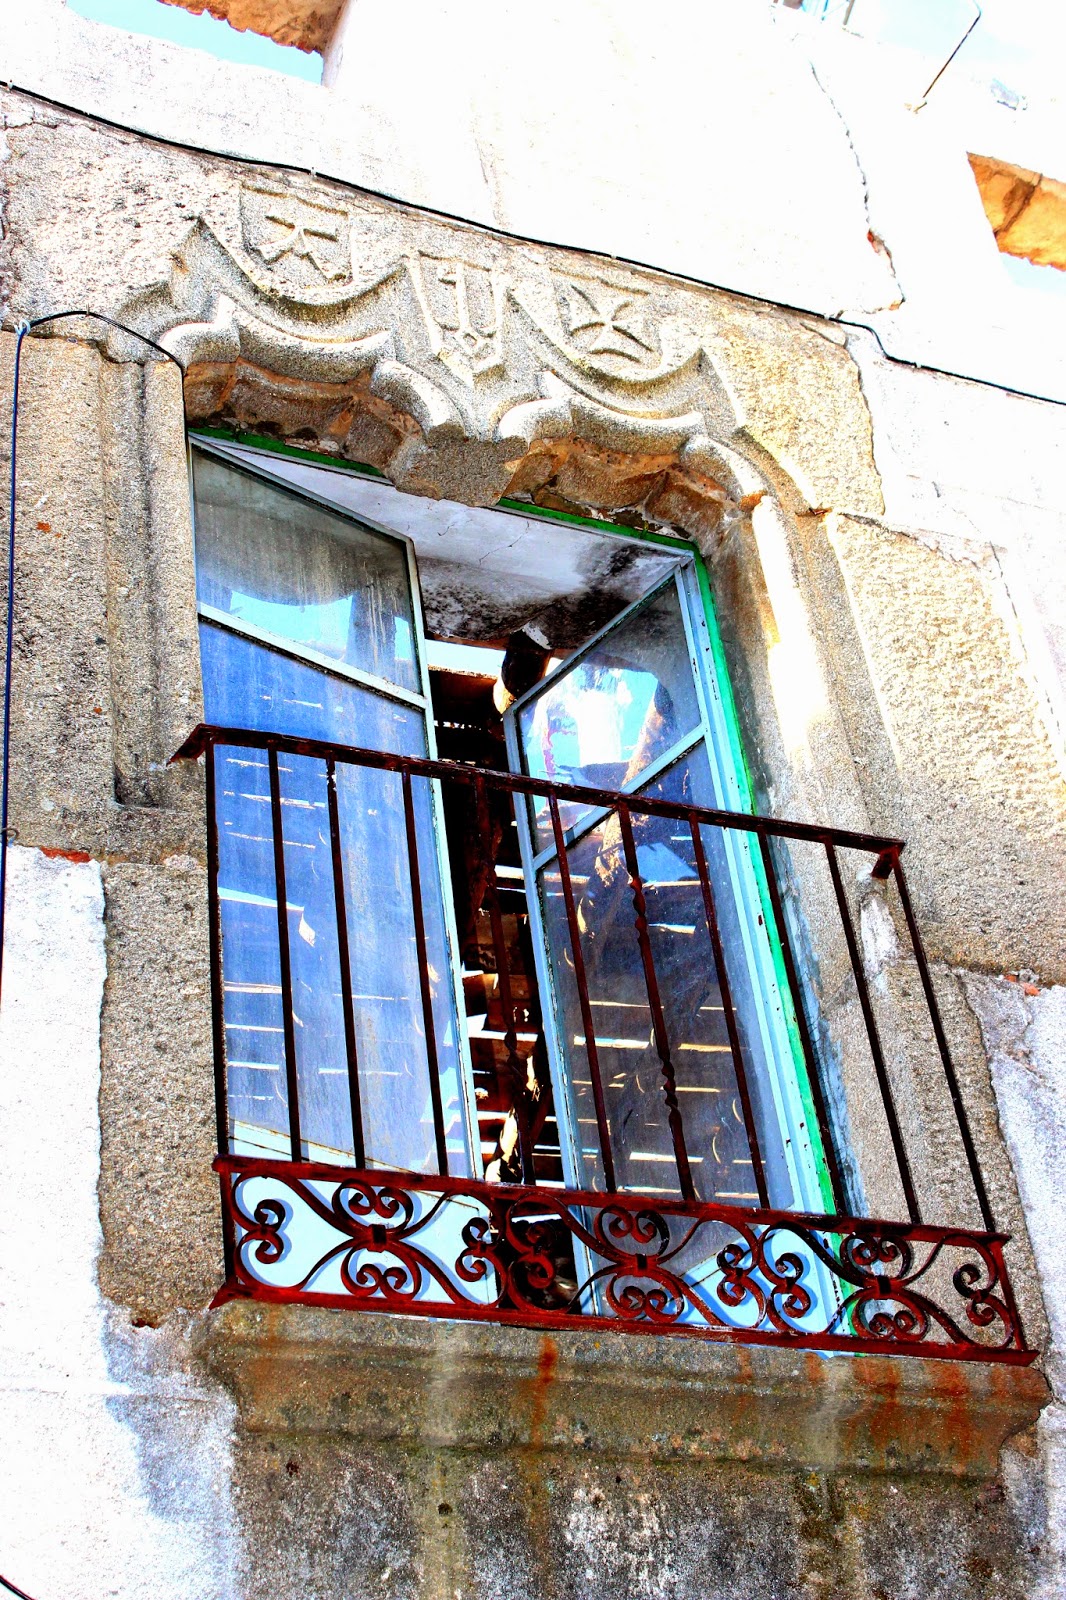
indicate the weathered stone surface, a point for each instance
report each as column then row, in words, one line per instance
column 484, row 1490
column 473, row 1497
column 465, row 1386
column 820, row 439
column 976, row 472
column 970, row 775
column 404, row 117
column 969, row 1545
column 1024, row 1031
column 879, row 681
column 158, row 1195
column 106, row 678
column 61, row 695
column 365, row 1520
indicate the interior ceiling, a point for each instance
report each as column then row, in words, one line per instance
column 485, row 573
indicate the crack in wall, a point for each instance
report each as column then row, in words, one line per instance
column 875, row 240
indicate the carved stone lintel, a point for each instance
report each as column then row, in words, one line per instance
column 455, row 368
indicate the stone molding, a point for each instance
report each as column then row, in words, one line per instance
column 445, row 370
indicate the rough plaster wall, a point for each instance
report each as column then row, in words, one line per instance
column 115, row 1460
column 958, row 308
column 406, row 115
column 1025, row 1036
column 860, row 201
column 979, row 474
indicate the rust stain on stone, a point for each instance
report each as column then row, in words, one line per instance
column 878, row 1426
column 952, row 1389
column 814, row 1369
column 547, row 1362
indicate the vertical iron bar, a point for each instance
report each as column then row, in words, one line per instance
column 518, row 1077
column 883, row 1083
column 942, row 1045
column 423, row 976
column 218, row 1027
column 658, row 1020
column 291, row 1078
column 344, row 955
column 813, row 1076
column 727, row 1005
column 218, row 1031
column 591, row 1047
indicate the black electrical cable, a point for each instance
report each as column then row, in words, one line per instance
column 13, row 1588
column 497, row 232
column 5, row 754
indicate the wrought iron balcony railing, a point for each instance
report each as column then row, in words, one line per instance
column 489, row 1229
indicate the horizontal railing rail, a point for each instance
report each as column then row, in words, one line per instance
column 206, row 735
column 526, row 1249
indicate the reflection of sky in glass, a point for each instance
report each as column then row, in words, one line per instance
column 1030, row 275
column 1018, row 41
column 324, row 626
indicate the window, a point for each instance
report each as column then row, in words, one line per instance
column 520, row 1032
column 311, row 624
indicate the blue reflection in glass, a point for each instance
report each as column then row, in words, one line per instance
column 247, row 684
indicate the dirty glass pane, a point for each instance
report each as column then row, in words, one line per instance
column 247, row 684
column 690, row 991
column 285, row 566
column 606, row 719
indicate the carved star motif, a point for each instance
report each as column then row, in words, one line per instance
column 298, row 243
column 612, row 315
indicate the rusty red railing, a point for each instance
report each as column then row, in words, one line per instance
column 679, row 1258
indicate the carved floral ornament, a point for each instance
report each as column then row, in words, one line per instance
column 445, row 369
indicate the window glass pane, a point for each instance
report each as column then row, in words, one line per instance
column 690, row 991
column 249, row 685
column 290, row 568
column 617, row 710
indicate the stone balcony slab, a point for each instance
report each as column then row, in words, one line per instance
column 438, row 1384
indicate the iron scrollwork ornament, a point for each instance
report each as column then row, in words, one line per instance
column 553, row 1258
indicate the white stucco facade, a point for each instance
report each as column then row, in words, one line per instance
column 114, row 1467
column 731, row 146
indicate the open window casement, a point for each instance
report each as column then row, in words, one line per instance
column 312, row 624
column 638, row 711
